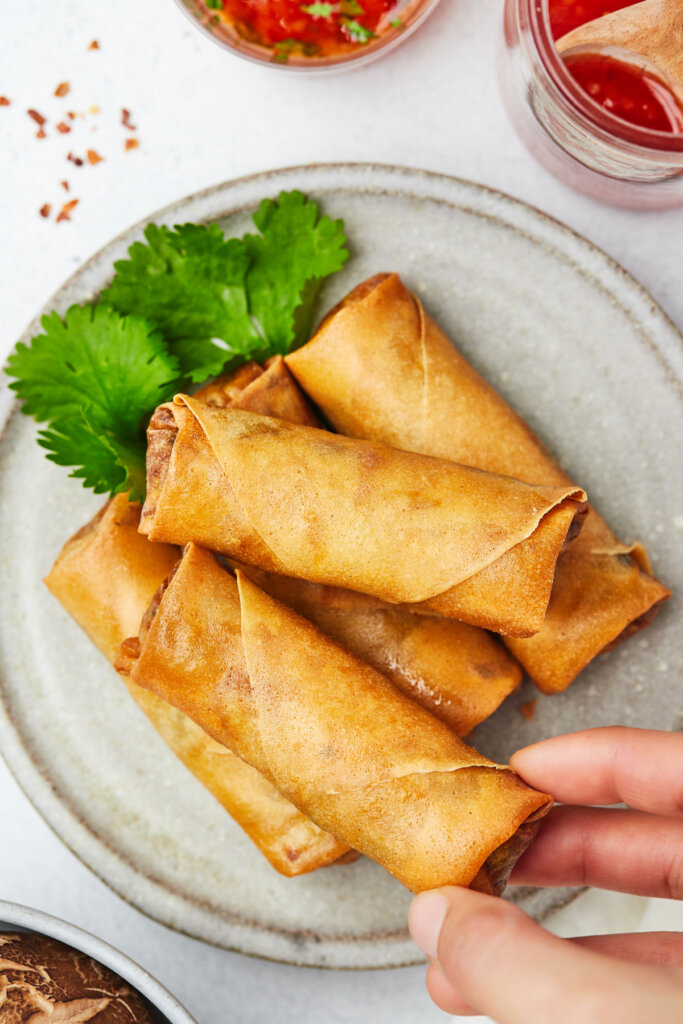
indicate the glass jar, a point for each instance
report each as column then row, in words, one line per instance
column 571, row 135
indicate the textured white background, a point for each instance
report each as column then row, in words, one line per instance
column 203, row 117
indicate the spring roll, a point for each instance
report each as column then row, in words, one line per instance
column 380, row 368
column 333, row 734
column 460, row 673
column 405, row 528
column 105, row 577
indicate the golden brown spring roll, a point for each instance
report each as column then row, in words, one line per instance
column 381, row 368
column 405, row 528
column 459, row 672
column 334, row 734
column 105, row 577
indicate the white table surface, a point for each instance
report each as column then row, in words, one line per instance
column 204, row 117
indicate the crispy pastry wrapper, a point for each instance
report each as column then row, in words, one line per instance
column 105, row 577
column 333, row 733
column 379, row 367
column 301, row 502
column 460, row 673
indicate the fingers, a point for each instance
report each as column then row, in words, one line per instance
column 496, row 961
column 639, row 767
column 627, row 851
column 660, row 949
column 444, row 995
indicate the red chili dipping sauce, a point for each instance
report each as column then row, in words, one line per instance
column 625, row 90
column 290, row 28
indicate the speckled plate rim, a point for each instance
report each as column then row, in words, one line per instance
column 28, row 919
column 656, row 331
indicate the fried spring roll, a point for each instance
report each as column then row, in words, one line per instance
column 105, row 577
column 460, row 673
column 404, row 528
column 334, row 735
column 380, row 368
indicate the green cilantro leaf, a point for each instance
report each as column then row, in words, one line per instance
column 397, row 23
column 93, row 377
column 319, row 10
column 191, row 283
column 214, row 5
column 290, row 259
column 359, row 33
column 214, row 300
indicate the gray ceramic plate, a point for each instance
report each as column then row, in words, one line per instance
column 580, row 350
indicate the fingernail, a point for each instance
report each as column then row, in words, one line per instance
column 425, row 920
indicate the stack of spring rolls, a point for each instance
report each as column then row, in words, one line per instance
column 305, row 616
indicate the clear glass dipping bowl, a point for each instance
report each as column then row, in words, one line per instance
column 412, row 13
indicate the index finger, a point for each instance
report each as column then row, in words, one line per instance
column 639, row 767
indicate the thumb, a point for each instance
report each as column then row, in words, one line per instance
column 496, row 961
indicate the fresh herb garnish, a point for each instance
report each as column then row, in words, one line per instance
column 184, row 305
column 359, row 33
column 214, row 5
column 92, row 378
column 285, row 47
column 214, row 299
column 319, row 10
column 397, row 23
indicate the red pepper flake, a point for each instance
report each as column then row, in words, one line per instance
column 75, row 160
column 528, row 709
column 94, row 157
column 132, row 144
column 63, row 128
column 125, row 120
column 38, row 118
column 94, row 45
column 62, row 89
column 40, row 134
column 71, row 115
column 65, row 185
column 65, row 212
column 45, row 210
column 4, row 102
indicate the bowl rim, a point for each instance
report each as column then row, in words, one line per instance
column 31, row 920
column 331, row 65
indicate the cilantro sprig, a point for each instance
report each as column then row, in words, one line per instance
column 216, row 299
column 92, row 378
column 186, row 303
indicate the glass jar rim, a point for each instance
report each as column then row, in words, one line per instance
column 645, row 138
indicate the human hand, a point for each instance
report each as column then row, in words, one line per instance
column 489, row 957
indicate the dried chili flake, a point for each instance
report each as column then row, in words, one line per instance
column 65, row 185
column 38, row 118
column 45, row 210
column 528, row 709
column 63, row 127
column 65, row 212
column 40, row 134
column 4, row 102
column 94, row 45
column 125, row 120
column 62, row 89
column 75, row 160
column 94, row 157
column 71, row 115
column 132, row 144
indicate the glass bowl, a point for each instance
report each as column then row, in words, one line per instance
column 412, row 14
